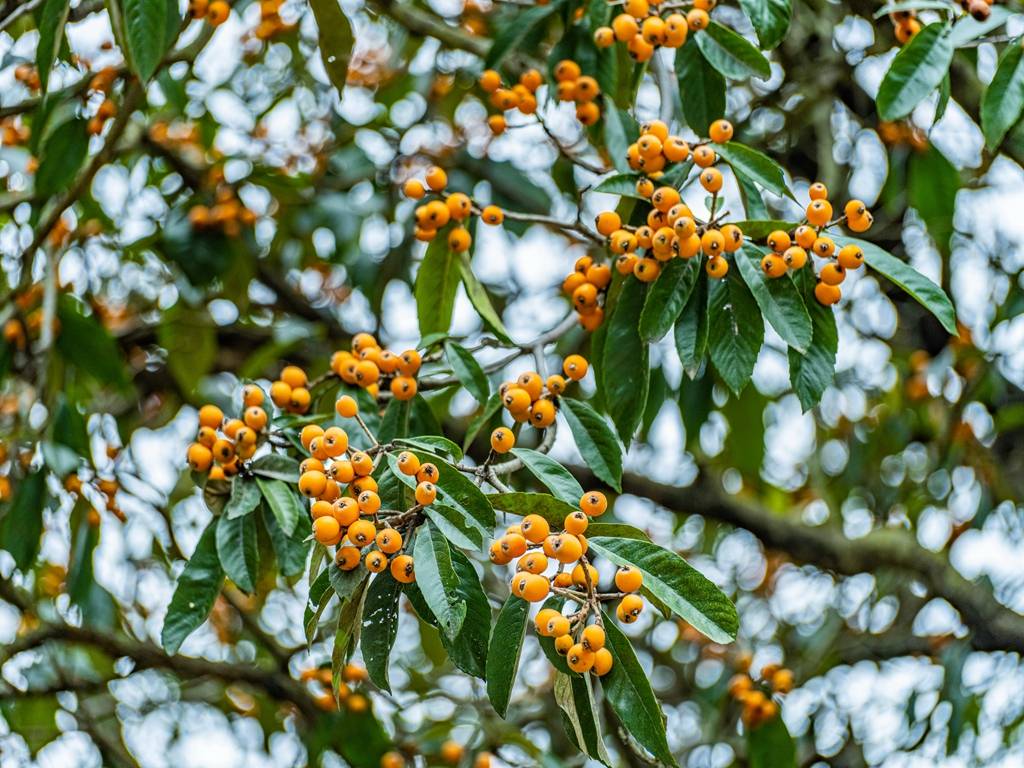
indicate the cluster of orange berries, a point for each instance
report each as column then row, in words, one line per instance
column 227, row 214
column 223, row 444
column 573, row 85
column 656, row 148
column 755, row 696
column 535, row 545
column 586, row 286
column 215, row 13
column 520, row 96
column 351, row 676
column 367, row 365
column 789, row 252
column 454, row 207
column 450, row 753
column 642, row 28
column 533, row 400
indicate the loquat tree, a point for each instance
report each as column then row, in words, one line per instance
column 507, row 383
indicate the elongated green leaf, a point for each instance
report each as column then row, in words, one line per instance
column 436, row 284
column 52, row 19
column 346, row 631
column 759, row 229
column 291, row 551
column 932, row 186
column 595, row 440
column 504, row 651
column 685, row 590
column 754, row 166
column 433, row 444
column 1003, row 100
column 468, row 371
column 667, row 296
column 244, row 498
column 916, row 72
column 87, row 345
column 731, row 53
column 691, row 333
column 145, row 27
column 190, row 338
column 967, row 28
column 436, row 579
column 482, row 419
column 628, row 692
column 924, row 291
column 769, row 745
column 84, row 537
column 619, row 132
column 625, row 370
column 812, row 372
column 623, row 184
column 236, row 548
column 510, row 35
column 335, row 38
column 701, row 88
column 68, row 427
column 380, row 626
column 521, row 503
column 480, row 299
column 779, row 300
column 283, row 502
column 197, row 589
column 277, row 467
column 770, row 19
column 22, row 524
column 574, row 695
column 551, row 474
column 736, row 336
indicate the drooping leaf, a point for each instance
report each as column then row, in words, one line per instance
column 245, row 497
column 1003, row 99
column 87, row 345
column 770, row 19
column 915, row 72
column 52, row 19
column 196, row 590
column 731, row 53
column 62, row 153
column 551, row 474
column 291, row 551
column 779, row 300
column 667, row 296
column 480, row 299
column 691, row 332
column 22, row 524
column 237, row 550
column 468, row 371
column 619, row 132
column 145, row 27
column 625, row 370
column 436, row 284
column 436, row 579
column 504, row 651
column 736, row 336
column 812, row 372
column 769, row 745
column 920, row 288
column 380, row 627
column 283, row 502
column 595, row 440
column 754, row 166
column 687, row 592
column 335, row 38
column 574, row 695
column 701, row 88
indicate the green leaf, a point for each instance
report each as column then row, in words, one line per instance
column 595, row 440
column 346, row 631
column 521, row 503
column 921, row 289
column 436, row 578
column 244, row 498
column 683, row 589
column 617, row 136
column 335, row 38
column 145, row 27
column 510, row 36
column 736, row 336
column 667, row 296
column 968, row 29
column 811, row 373
column 625, row 368
column 22, row 525
column 701, row 88
column 932, row 184
column 779, row 300
column 380, row 626
column 84, row 537
column 436, row 284
column 283, row 502
column 190, row 339
column 619, row 530
column 68, row 428
column 769, row 745
column 759, row 229
column 34, row 718
column 754, row 166
column 85, row 344
column 770, row 19
column 433, row 444
column 290, row 551
column 276, row 467
column 468, row 371
column 691, row 332
column 731, row 53
column 504, row 651
column 551, row 474
column 574, row 695
column 480, row 300
column 52, row 19
column 622, row 184
column 915, row 72
column 61, row 154
column 236, row 548
column 197, row 589
column 628, row 691
column 488, row 412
